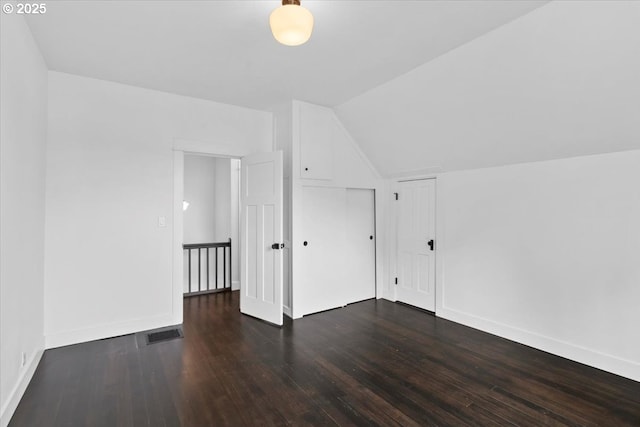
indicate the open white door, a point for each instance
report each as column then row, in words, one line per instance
column 261, row 237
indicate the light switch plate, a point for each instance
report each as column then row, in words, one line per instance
column 162, row 221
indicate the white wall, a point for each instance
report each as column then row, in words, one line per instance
column 223, row 200
column 319, row 131
column 546, row 254
column 199, row 191
column 23, row 126
column 283, row 142
column 542, row 253
column 110, row 175
column 561, row 81
column 234, row 172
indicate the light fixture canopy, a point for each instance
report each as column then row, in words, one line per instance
column 291, row 24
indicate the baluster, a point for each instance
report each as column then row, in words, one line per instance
column 189, row 270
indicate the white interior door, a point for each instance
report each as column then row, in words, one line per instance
column 360, row 248
column 416, row 243
column 261, row 236
column 321, row 247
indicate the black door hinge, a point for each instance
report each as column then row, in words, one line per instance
column 396, row 280
column 397, row 195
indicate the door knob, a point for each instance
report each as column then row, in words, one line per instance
column 431, row 244
column 277, row 246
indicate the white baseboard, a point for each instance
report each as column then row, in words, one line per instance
column 388, row 293
column 235, row 285
column 77, row 336
column 287, row 310
column 606, row 362
column 18, row 391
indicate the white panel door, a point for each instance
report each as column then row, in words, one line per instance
column 321, row 245
column 360, row 247
column 416, row 243
column 261, row 236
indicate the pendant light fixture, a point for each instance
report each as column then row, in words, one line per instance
column 291, row 24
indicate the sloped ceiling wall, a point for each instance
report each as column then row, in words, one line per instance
column 561, row 81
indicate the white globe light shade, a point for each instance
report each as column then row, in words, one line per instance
column 291, row 24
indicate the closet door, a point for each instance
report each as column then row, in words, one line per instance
column 360, row 248
column 321, row 243
column 316, row 143
column 416, row 244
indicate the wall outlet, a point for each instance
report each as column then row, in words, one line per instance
column 24, row 359
column 162, row 221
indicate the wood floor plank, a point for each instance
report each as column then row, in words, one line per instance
column 370, row 363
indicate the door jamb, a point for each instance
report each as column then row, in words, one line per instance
column 180, row 148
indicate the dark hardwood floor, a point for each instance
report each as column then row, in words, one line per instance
column 371, row 363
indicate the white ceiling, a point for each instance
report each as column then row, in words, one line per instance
column 562, row 81
column 223, row 50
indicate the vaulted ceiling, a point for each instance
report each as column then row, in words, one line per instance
column 561, row 81
column 223, row 50
column 423, row 86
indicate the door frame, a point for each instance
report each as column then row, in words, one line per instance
column 438, row 253
column 180, row 148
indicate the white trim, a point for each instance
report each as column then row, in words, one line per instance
column 607, row 362
column 393, row 240
column 440, row 251
column 416, row 174
column 213, row 148
column 177, row 279
column 108, row 330
column 382, row 214
column 15, row 395
column 220, row 149
column 286, row 262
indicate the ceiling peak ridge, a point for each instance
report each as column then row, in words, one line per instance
column 542, row 4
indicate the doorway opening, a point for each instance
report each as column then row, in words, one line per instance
column 260, row 267
column 211, row 214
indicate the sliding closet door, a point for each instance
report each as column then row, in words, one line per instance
column 321, row 244
column 360, row 248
